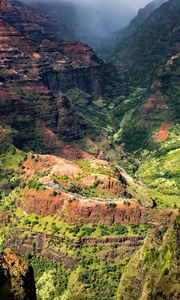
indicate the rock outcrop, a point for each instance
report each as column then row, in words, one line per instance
column 34, row 25
column 16, row 278
column 49, row 246
column 35, row 68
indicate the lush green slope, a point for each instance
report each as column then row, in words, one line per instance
column 156, row 40
column 152, row 272
column 146, row 120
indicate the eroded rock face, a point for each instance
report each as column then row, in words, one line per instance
column 16, row 278
column 73, row 65
column 36, row 243
column 33, row 24
column 35, row 69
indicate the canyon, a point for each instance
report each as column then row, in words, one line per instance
column 88, row 159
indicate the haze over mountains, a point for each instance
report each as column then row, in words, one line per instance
column 90, row 20
column 93, row 21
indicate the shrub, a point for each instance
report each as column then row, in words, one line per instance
column 112, row 205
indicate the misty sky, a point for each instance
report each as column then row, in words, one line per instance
column 135, row 4
column 96, row 19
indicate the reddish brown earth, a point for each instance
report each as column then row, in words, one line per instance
column 87, row 211
column 43, row 70
column 54, row 165
column 74, row 209
column 50, row 164
column 30, row 23
column 108, row 185
column 81, row 52
column 154, row 104
column 33, row 70
column 5, row 5
column 42, row 203
column 162, row 133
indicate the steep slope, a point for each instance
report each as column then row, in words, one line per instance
column 142, row 16
column 16, row 278
column 74, row 213
column 34, row 73
column 149, row 64
column 113, row 41
column 152, row 272
column 32, row 24
column 148, row 61
column 150, row 48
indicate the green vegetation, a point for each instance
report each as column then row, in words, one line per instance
column 90, row 279
column 51, row 279
column 153, row 267
column 96, row 114
column 11, row 161
column 159, row 171
column 88, row 169
column 51, row 225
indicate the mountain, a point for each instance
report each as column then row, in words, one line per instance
column 142, row 16
column 32, row 24
column 147, row 41
column 89, row 170
column 149, row 59
column 41, row 68
column 148, row 115
column 110, row 43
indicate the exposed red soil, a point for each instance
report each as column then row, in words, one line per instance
column 11, row 40
column 150, row 102
column 162, row 133
column 79, row 51
column 74, row 50
column 43, row 203
column 51, row 164
column 154, row 105
column 108, row 185
column 75, row 212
